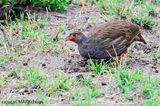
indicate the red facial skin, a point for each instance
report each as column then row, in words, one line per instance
column 71, row 38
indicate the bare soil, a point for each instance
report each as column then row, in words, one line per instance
column 65, row 56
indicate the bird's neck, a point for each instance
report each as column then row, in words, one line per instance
column 80, row 40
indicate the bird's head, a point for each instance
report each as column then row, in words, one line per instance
column 76, row 37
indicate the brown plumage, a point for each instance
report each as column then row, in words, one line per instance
column 107, row 40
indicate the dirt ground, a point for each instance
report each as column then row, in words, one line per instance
column 68, row 60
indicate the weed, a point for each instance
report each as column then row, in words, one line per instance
column 85, row 97
column 31, row 27
column 147, row 8
column 32, row 75
column 155, row 56
column 4, row 58
column 148, row 87
column 80, row 80
column 86, row 81
column 144, row 21
column 91, row 92
column 113, row 7
column 51, row 4
column 13, row 9
column 61, row 29
column 45, row 41
column 139, row 1
column 126, row 79
column 96, row 67
column 59, row 83
column 156, row 1
column 2, row 80
column 150, row 102
column 76, row 2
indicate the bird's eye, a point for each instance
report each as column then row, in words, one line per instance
column 74, row 35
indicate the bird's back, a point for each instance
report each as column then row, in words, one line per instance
column 109, row 39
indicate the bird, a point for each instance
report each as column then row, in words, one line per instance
column 107, row 40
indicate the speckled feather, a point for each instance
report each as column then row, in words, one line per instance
column 110, row 40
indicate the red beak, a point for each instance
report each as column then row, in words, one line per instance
column 68, row 38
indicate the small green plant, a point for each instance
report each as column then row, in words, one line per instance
column 50, row 4
column 96, row 67
column 32, row 75
column 2, row 81
column 148, row 87
column 151, row 102
column 84, row 98
column 82, row 81
column 139, row 1
column 127, row 79
column 4, row 58
column 11, row 9
column 30, row 27
column 76, row 2
column 45, row 41
column 113, row 7
column 91, row 92
column 59, row 83
column 155, row 56
column 147, row 8
column 60, row 30
column 144, row 21
column 86, row 81
column 156, row 1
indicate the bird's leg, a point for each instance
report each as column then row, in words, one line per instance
column 120, row 58
column 122, row 55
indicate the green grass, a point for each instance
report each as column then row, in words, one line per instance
column 133, row 85
column 147, row 8
column 51, row 4
column 58, row 83
column 4, row 58
column 144, row 21
column 82, row 92
column 132, row 81
column 12, row 9
column 2, row 80
column 86, row 97
column 126, row 80
column 113, row 7
column 156, row 1
column 98, row 68
column 32, row 75
column 140, row 1
column 32, row 28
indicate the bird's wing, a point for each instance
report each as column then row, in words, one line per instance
column 118, row 35
column 114, row 30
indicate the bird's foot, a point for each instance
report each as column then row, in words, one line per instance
column 120, row 59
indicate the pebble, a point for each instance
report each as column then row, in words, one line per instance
column 103, row 84
column 43, row 65
column 24, row 91
column 157, row 71
column 92, row 75
column 25, row 64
